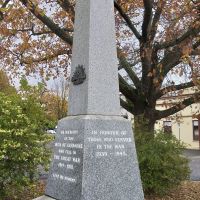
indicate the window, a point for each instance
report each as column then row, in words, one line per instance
column 195, row 129
column 167, row 127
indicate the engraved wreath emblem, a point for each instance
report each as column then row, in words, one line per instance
column 79, row 75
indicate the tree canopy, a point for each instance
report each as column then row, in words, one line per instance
column 54, row 103
column 156, row 39
column 5, row 85
column 23, row 144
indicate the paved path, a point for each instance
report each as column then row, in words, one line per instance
column 194, row 157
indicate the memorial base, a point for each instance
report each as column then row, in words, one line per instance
column 94, row 159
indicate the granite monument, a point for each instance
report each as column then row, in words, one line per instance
column 94, row 153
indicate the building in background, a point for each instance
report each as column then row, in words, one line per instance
column 185, row 125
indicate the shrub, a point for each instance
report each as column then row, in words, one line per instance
column 161, row 161
column 22, row 143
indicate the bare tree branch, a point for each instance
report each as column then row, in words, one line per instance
column 178, row 107
column 127, row 106
column 128, row 91
column 131, row 73
column 127, row 20
column 68, row 7
column 148, row 5
column 31, row 60
column 171, row 88
column 195, row 52
column 3, row 6
column 5, row 3
column 197, row 44
column 37, row 12
column 170, row 60
column 191, row 32
column 127, row 67
column 173, row 58
column 157, row 15
column 41, row 32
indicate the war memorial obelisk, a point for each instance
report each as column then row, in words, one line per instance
column 94, row 154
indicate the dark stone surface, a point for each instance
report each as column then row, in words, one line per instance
column 65, row 176
column 108, row 168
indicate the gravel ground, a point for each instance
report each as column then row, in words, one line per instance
column 189, row 190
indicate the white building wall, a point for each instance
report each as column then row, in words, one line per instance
column 182, row 124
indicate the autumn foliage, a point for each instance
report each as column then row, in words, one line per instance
column 157, row 41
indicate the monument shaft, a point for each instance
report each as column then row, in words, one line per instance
column 94, row 48
column 94, row 151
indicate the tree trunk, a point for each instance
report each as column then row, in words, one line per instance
column 143, row 124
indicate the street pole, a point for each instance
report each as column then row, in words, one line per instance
column 179, row 131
